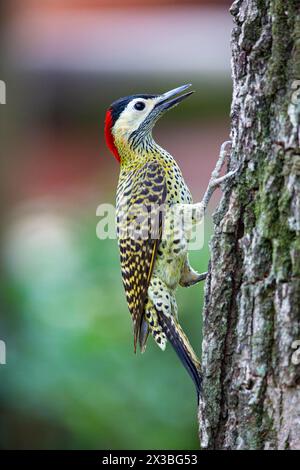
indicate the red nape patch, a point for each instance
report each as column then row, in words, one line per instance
column 108, row 135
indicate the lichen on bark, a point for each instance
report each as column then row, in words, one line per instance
column 251, row 316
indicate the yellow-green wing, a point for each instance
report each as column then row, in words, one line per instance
column 140, row 204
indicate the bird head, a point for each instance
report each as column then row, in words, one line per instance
column 130, row 120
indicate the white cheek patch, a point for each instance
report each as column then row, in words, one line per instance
column 130, row 119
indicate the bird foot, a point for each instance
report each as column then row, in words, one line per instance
column 192, row 280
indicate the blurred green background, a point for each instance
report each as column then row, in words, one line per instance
column 71, row 380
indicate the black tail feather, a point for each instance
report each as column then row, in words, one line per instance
column 176, row 338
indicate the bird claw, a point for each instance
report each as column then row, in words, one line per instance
column 226, row 148
column 220, row 162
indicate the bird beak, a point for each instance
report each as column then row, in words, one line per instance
column 165, row 102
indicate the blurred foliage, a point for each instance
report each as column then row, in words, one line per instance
column 71, row 378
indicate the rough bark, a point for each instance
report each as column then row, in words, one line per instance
column 251, row 384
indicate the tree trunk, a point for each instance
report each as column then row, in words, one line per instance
column 251, row 383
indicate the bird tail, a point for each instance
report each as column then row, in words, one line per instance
column 183, row 348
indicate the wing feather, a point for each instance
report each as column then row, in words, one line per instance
column 141, row 201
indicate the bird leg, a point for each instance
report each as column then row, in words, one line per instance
column 194, row 213
column 216, row 180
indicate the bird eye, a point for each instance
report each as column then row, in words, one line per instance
column 139, row 105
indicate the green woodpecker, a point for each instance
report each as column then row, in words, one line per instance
column 153, row 242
